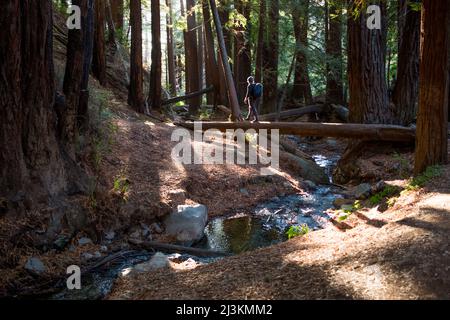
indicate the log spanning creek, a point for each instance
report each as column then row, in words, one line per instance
column 261, row 226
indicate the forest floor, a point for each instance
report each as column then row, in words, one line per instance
column 403, row 253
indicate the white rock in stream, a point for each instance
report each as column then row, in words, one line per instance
column 158, row 261
column 188, row 223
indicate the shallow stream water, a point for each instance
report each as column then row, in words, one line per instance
column 262, row 226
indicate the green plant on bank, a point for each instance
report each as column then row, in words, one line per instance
column 422, row 179
column 205, row 114
column 387, row 192
column 347, row 211
column 121, row 184
column 296, row 231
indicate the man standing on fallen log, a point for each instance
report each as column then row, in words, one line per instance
column 253, row 98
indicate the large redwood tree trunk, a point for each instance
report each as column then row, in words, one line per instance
column 260, row 45
column 432, row 126
column 117, row 9
column 99, row 62
column 335, row 86
column 135, row 93
column 192, row 57
column 272, row 54
column 156, row 70
column 30, row 160
column 366, row 68
column 302, row 84
column 406, row 90
column 171, row 50
column 242, row 49
column 211, row 66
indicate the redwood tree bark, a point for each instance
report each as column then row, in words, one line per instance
column 212, row 68
column 135, row 93
column 117, row 8
column 302, row 84
column 406, row 90
column 192, row 57
column 432, row 126
column 260, row 46
column 171, row 51
column 73, row 81
column 99, row 62
column 366, row 69
column 335, row 86
column 30, row 160
column 242, row 50
column 156, row 70
column 272, row 54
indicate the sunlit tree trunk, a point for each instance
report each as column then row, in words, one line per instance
column 432, row 126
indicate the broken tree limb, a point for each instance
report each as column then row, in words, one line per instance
column 188, row 96
column 367, row 132
column 293, row 113
column 171, row 248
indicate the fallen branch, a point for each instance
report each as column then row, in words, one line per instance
column 188, row 96
column 293, row 113
column 170, row 248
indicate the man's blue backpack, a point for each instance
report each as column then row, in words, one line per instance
column 258, row 91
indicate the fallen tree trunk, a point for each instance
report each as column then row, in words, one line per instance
column 171, row 248
column 340, row 111
column 188, row 96
column 293, row 113
column 368, row 132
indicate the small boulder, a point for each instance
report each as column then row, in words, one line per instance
column 158, row 261
column 110, row 235
column 244, row 192
column 35, row 265
column 84, row 241
column 188, row 223
column 363, row 191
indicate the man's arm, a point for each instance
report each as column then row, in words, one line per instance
column 247, row 94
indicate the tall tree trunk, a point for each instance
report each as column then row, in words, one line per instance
column 73, row 81
column 200, row 51
column 192, row 57
column 30, row 160
column 231, row 88
column 432, row 126
column 99, row 62
column 156, row 70
column 302, row 84
column 272, row 55
column 117, row 9
column 88, row 39
column 224, row 14
column 366, row 69
column 212, row 68
column 260, row 46
column 135, row 92
column 242, row 50
column 110, row 22
column 406, row 88
column 171, row 51
column 335, row 86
